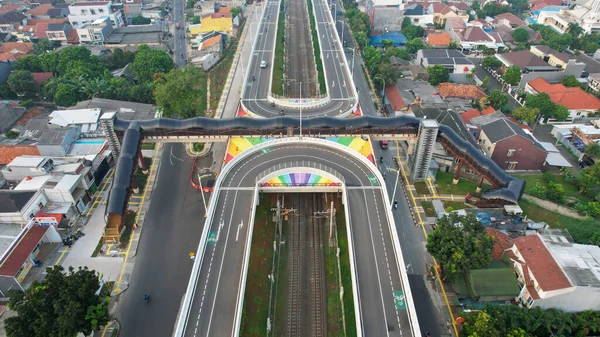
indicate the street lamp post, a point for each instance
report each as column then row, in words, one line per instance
column 300, row 110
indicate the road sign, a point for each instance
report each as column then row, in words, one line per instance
column 212, row 238
column 399, row 300
column 373, row 180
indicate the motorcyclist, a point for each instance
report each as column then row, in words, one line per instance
column 146, row 298
column 395, row 203
column 381, row 159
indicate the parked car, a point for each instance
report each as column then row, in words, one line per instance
column 384, row 144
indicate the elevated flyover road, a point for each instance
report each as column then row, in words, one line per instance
column 213, row 304
column 257, row 98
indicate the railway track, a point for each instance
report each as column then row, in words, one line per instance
column 296, row 249
column 300, row 58
column 317, row 268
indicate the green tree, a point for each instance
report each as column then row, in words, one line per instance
column 589, row 181
column 187, row 103
column 67, row 94
column 119, row 59
column 140, row 20
column 542, row 102
column 372, row 57
column 22, row 83
column 452, row 45
column 387, row 43
column 485, row 82
column 560, row 113
column 498, row 99
column 593, row 149
column 575, row 29
column 479, row 325
column 73, row 56
column 526, row 114
column 93, row 87
column 520, row 35
column 195, row 20
column 43, row 45
column 361, row 38
column 593, row 209
column 481, row 14
column 555, row 192
column 411, row 31
column 414, row 45
column 235, row 11
column 149, row 62
column 491, row 62
column 438, row 74
column 475, row 5
column 119, row 89
column 142, row 93
column 460, row 243
column 389, row 73
column 190, row 4
column 512, row 75
column 570, row 81
column 63, row 304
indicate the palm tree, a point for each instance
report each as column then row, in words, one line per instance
column 574, row 29
column 94, row 86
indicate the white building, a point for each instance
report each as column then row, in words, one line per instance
column 82, row 13
column 554, row 272
column 20, row 206
column 95, row 32
column 586, row 16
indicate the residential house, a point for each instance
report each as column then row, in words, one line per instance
column 418, row 14
column 82, row 13
column 125, row 73
column 12, row 51
column 60, row 10
column 60, row 189
column 39, row 12
column 579, row 102
column 526, row 60
column 153, row 35
column 10, row 113
column 594, row 82
column 58, row 32
column 8, row 152
column 441, row 40
column 57, row 142
column 27, row 166
column 95, row 32
column 385, row 14
column 555, row 273
column 453, row 60
column 41, row 77
column 442, row 12
column 19, row 207
column 393, row 100
column 554, row 58
column 470, row 118
column 220, row 22
column 472, row 37
column 463, row 91
column 508, row 19
column 506, row 35
column 8, row 21
column 84, row 119
column 509, row 146
column 583, row 14
column 537, row 8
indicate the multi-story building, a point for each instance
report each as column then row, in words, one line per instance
column 58, row 32
column 587, row 16
column 95, row 32
column 385, row 14
column 83, row 13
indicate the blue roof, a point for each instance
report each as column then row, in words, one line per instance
column 547, row 9
column 397, row 37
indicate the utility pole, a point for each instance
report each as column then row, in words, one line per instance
column 331, row 221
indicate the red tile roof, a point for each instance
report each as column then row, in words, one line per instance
column 467, row 91
column 15, row 259
column 474, row 33
column 212, row 41
column 439, row 40
column 46, row 21
column 393, row 96
column 511, row 18
column 89, row 3
column 470, row 114
column 14, row 50
column 40, row 10
column 572, row 98
column 41, row 77
column 544, row 268
column 9, row 8
column 502, row 242
column 40, row 30
column 73, row 37
column 10, row 152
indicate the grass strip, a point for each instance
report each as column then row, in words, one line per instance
column 334, row 309
column 256, row 297
column 316, row 48
column 346, row 273
column 278, row 62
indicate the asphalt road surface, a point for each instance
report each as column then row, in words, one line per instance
column 179, row 38
column 337, row 77
column 218, row 289
column 300, row 57
column 172, row 229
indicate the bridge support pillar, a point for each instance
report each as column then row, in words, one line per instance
column 457, row 175
column 479, row 185
column 107, row 123
column 428, row 130
column 141, row 162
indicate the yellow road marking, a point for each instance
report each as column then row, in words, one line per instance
column 435, row 264
column 106, row 328
column 432, row 187
column 61, row 256
column 137, row 218
column 99, row 193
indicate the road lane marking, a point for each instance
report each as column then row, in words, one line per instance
column 238, row 230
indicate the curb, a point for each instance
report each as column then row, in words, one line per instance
column 205, row 150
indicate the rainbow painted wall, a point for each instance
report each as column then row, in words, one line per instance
column 300, row 179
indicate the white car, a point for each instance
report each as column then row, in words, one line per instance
column 263, row 64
